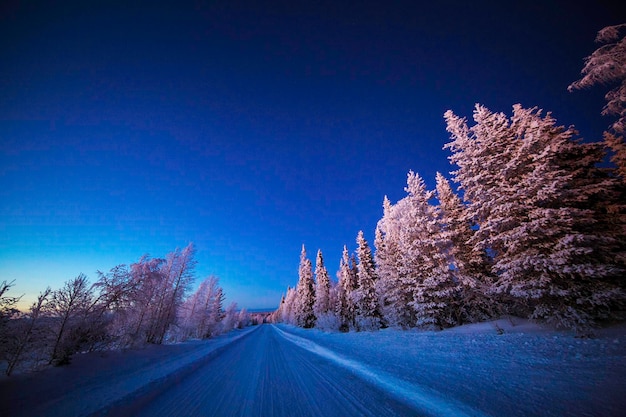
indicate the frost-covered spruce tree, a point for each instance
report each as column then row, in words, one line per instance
column 486, row 165
column 368, row 313
column 587, row 228
column 532, row 189
column 332, row 302
column 607, row 65
column 305, row 293
column 487, row 174
column 425, row 261
column 344, row 307
column 470, row 266
column 323, row 309
column 322, row 286
column 394, row 286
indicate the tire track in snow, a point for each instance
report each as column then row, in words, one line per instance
column 422, row 399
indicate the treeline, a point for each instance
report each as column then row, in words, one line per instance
column 538, row 229
column 148, row 302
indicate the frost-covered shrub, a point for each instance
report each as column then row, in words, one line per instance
column 364, row 323
column 328, row 322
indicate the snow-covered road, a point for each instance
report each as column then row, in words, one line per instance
column 280, row 370
column 266, row 374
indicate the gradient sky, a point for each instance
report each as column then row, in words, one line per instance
column 250, row 128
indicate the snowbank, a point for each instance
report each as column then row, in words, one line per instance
column 527, row 370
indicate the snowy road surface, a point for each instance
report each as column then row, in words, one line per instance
column 265, row 374
column 285, row 371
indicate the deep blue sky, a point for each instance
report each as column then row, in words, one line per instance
column 250, row 128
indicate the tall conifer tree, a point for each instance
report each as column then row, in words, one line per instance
column 322, row 287
column 470, row 266
column 368, row 313
column 305, row 293
column 533, row 190
column 345, row 308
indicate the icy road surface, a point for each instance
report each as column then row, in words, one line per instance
column 266, row 374
column 285, row 371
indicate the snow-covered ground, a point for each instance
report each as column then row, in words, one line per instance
column 283, row 371
column 527, row 370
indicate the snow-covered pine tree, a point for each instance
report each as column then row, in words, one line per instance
column 470, row 266
column 305, row 293
column 617, row 144
column 332, row 298
column 367, row 308
column 394, row 288
column 322, row 286
column 333, row 301
column 532, row 189
column 345, row 309
column 383, row 261
column 487, row 171
column 607, row 65
column 325, row 297
column 216, row 312
column 579, row 217
column 425, row 262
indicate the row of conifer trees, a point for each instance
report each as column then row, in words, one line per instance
column 537, row 228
